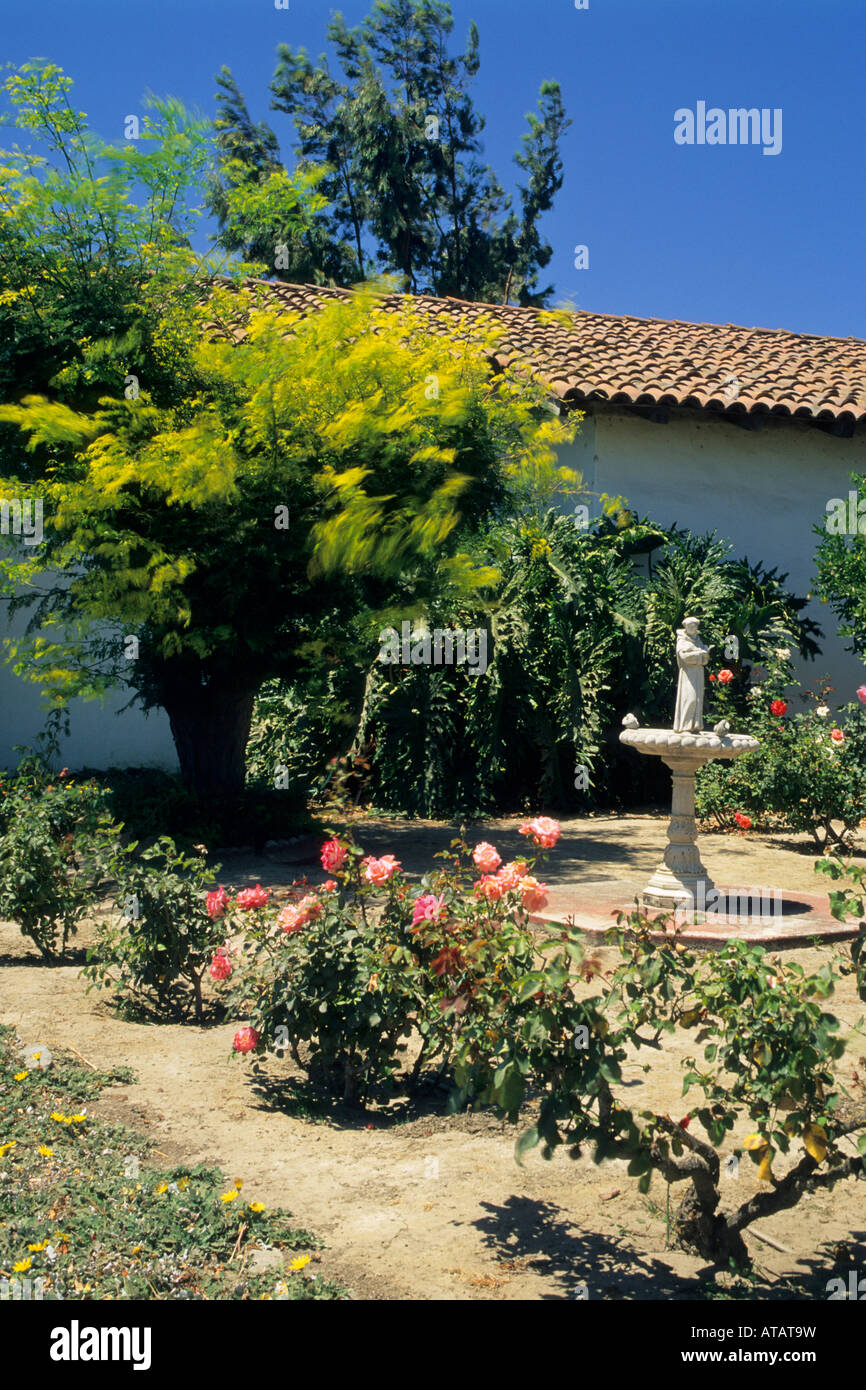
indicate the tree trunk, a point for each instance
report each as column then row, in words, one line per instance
column 210, row 725
column 699, row 1227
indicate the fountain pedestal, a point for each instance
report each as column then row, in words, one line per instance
column 681, row 877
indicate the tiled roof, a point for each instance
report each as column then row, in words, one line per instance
column 659, row 362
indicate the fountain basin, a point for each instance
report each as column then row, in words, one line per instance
column 699, row 748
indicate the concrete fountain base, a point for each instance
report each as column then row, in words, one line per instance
column 781, row 920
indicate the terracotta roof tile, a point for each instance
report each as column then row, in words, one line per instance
column 658, row 361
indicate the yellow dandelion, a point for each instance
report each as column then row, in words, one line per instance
column 78, row 1119
column 257, row 1206
column 238, row 1184
column 61, row 1119
column 21, row 1075
column 4, row 1148
column 45, row 1151
column 35, row 1249
column 22, row 1266
column 228, row 1196
column 183, row 1184
column 136, row 1250
column 300, row 1263
column 163, row 1187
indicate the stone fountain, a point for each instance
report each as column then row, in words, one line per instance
column 681, row 878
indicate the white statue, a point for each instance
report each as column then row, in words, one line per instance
column 692, row 657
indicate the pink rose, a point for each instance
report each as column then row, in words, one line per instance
column 329, row 886
column 489, row 887
column 220, row 966
column 295, row 916
column 486, row 857
column 253, row 897
column 379, row 871
column 544, row 831
column 428, row 908
column 217, row 903
column 534, row 894
column 289, row 919
column 511, row 874
column 334, row 856
column 246, row 1040
column 861, row 696
column 725, row 676
column 837, row 736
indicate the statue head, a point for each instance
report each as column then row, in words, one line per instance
column 691, row 626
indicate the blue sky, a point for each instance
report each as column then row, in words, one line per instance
column 704, row 233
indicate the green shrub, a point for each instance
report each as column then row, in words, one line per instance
column 561, row 1032
column 577, row 635
column 54, row 850
column 808, row 775
column 150, row 802
column 155, row 951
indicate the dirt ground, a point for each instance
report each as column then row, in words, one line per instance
column 414, row 1204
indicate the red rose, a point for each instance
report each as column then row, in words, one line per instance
column 253, row 897
column 837, row 736
column 726, row 676
column 217, row 903
column 246, row 1040
column 334, row 856
column 778, row 707
column 743, row 821
column 220, row 966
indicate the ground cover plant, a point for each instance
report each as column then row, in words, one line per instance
column 86, row 1214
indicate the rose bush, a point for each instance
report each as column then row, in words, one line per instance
column 551, row 1040
column 56, row 838
column 168, row 931
column 341, row 977
column 808, row 775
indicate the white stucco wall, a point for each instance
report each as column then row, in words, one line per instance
column 99, row 737
column 764, row 490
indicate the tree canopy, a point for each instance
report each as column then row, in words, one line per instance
column 225, row 488
column 394, row 140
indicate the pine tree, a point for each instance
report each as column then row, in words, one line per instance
column 394, row 143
